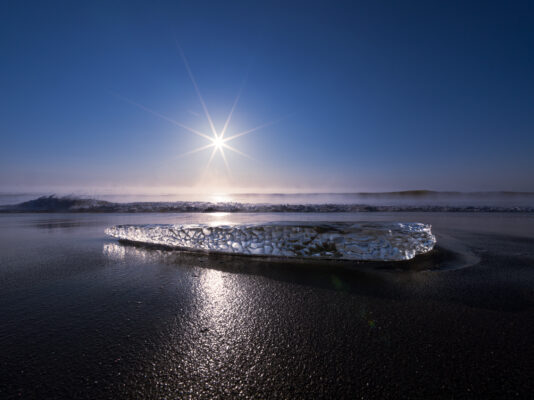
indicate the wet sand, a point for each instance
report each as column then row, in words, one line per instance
column 84, row 316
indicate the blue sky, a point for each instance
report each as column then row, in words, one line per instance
column 369, row 96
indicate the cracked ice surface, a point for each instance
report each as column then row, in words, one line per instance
column 350, row 241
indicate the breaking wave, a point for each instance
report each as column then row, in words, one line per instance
column 69, row 204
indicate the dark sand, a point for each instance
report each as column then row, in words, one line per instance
column 82, row 316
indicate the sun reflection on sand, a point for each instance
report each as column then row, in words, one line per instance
column 214, row 305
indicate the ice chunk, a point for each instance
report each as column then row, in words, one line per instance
column 377, row 241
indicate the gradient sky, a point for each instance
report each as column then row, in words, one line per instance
column 371, row 96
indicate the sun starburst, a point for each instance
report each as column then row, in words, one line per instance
column 216, row 141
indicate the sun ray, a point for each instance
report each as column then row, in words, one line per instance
column 196, row 150
column 252, row 130
column 211, row 157
column 227, row 123
column 230, row 115
column 157, row 114
column 226, row 146
column 193, row 80
column 209, row 163
column 221, row 149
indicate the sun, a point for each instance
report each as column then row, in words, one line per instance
column 216, row 140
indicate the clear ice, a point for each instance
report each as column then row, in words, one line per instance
column 373, row 241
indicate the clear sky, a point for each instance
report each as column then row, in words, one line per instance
column 367, row 96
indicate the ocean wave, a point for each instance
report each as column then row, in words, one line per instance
column 69, row 204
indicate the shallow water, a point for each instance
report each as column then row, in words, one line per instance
column 84, row 316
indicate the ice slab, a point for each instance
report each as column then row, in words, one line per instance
column 392, row 241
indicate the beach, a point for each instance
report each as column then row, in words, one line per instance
column 84, row 316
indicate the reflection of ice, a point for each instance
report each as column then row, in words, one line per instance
column 119, row 252
column 383, row 241
column 114, row 251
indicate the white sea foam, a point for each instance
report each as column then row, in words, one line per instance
column 350, row 241
column 439, row 202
